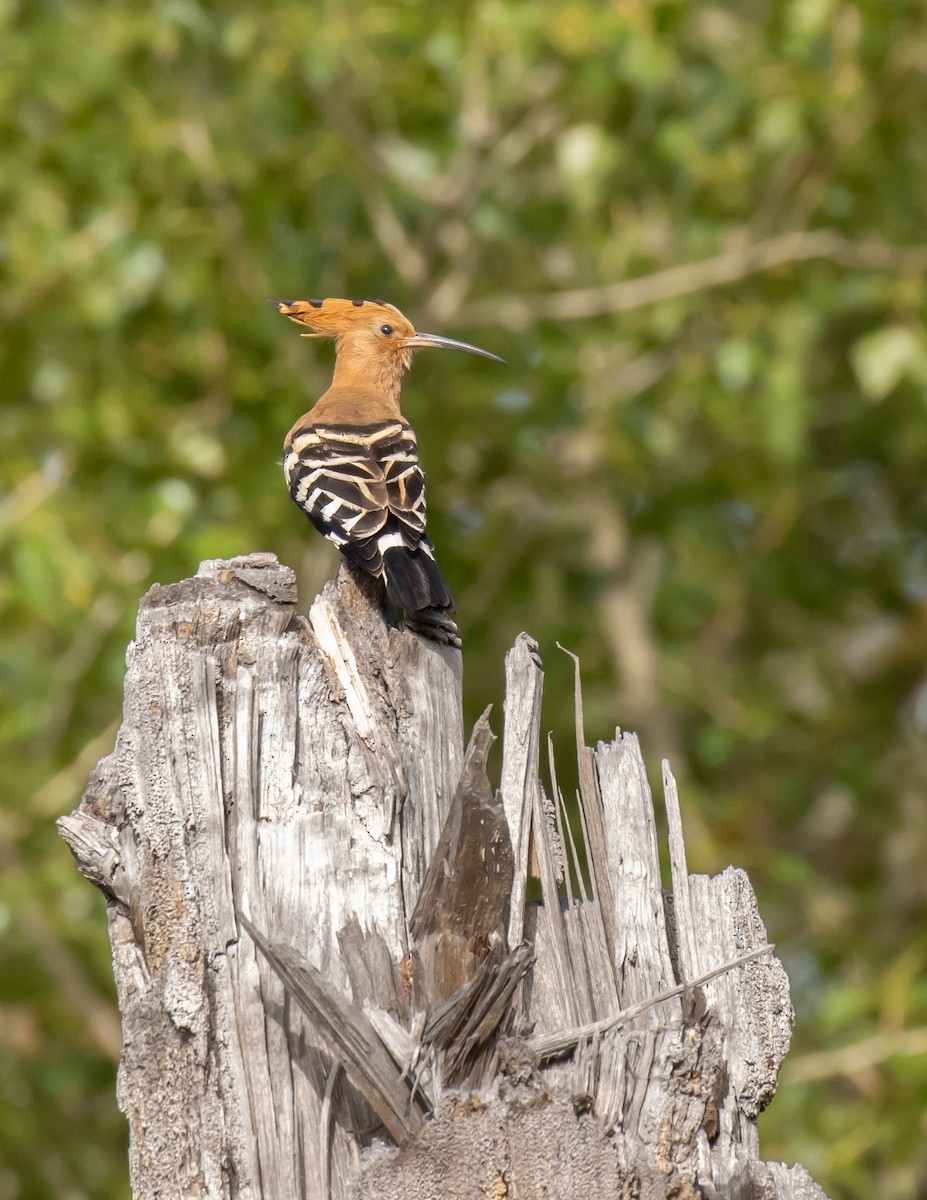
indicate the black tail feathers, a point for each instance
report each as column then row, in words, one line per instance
column 414, row 581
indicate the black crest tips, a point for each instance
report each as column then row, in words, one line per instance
column 281, row 304
column 358, row 303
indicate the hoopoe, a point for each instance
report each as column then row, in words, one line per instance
column 351, row 463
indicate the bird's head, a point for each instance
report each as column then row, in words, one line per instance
column 373, row 339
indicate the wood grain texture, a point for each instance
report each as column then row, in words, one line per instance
column 642, row 956
column 330, row 981
column 464, row 899
column 273, row 764
column 522, row 722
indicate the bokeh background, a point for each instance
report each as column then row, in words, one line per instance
column 698, row 232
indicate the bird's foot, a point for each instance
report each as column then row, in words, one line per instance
column 435, row 625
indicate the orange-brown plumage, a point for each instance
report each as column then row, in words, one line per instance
column 351, row 462
column 368, row 363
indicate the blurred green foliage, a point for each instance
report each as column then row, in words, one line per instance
column 709, row 483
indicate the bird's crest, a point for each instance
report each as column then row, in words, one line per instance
column 373, row 329
column 331, row 317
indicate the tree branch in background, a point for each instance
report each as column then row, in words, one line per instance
column 407, row 260
column 858, row 1056
column 516, row 311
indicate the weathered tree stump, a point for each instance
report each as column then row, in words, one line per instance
column 330, row 981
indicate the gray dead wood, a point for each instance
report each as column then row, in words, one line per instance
column 330, row 981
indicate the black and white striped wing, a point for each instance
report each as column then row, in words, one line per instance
column 405, row 487
column 361, row 486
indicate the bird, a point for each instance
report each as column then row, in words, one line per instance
column 351, row 463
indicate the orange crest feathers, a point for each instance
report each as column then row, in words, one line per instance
column 331, row 317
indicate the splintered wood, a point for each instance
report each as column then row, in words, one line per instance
column 331, row 983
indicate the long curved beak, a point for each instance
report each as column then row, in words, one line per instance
column 418, row 340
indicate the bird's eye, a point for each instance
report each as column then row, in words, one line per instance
column 386, row 330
